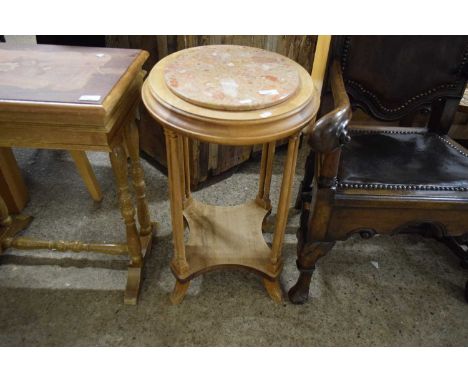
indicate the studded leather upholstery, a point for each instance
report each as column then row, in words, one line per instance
column 415, row 161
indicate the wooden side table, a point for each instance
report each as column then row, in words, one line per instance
column 228, row 95
column 77, row 99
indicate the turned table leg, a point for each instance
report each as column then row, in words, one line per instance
column 119, row 165
column 136, row 246
column 273, row 287
column 132, row 140
column 186, row 155
column 285, row 197
column 266, row 169
column 176, row 174
column 181, row 167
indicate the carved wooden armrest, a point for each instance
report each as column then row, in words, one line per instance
column 331, row 131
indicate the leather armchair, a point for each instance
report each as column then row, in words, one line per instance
column 381, row 179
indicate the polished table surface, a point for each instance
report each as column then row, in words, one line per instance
column 63, row 74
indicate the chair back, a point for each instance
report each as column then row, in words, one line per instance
column 390, row 77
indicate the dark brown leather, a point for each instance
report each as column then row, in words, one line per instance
column 420, row 160
column 391, row 76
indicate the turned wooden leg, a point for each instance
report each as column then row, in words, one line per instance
column 175, row 192
column 119, row 165
column 181, row 162
column 273, row 287
column 307, row 258
column 186, row 155
column 132, row 139
column 285, row 197
column 87, row 174
column 179, row 292
column 266, row 169
column 176, row 164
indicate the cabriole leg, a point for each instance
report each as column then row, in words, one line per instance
column 307, row 257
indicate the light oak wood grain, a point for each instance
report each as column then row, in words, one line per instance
column 219, row 236
column 228, row 127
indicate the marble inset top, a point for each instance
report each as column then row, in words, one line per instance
column 230, row 77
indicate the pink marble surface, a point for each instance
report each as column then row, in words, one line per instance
column 230, row 77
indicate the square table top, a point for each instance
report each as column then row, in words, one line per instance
column 55, row 96
column 61, row 74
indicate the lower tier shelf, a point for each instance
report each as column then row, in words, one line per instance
column 226, row 237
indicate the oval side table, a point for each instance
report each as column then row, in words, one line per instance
column 228, row 95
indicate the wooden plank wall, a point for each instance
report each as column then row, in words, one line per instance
column 207, row 159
